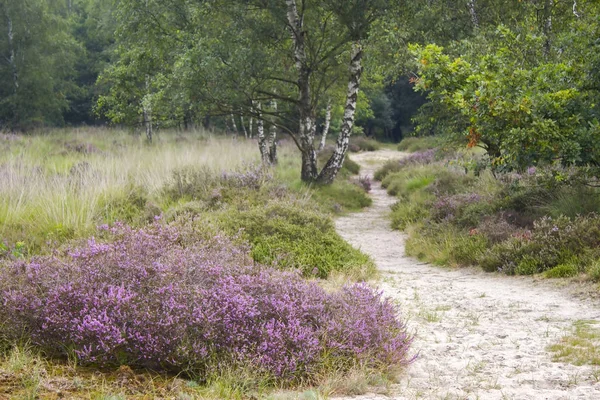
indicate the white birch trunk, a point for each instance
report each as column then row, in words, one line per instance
column 147, row 111
column 243, row 126
column 272, row 140
column 327, row 124
column 250, row 126
column 234, row 125
column 548, row 26
column 473, row 12
column 336, row 160
column 262, row 140
column 575, row 12
column 307, row 128
column 11, row 57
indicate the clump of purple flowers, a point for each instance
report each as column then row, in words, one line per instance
column 175, row 298
column 420, row 157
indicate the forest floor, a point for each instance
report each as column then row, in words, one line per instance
column 478, row 335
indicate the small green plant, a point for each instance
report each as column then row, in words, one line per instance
column 581, row 346
column 414, row 144
column 566, row 270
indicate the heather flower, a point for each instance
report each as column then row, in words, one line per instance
column 164, row 297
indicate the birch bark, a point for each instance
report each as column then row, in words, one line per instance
column 307, row 126
column 272, row 140
column 336, row 160
column 147, row 111
column 327, row 125
column 473, row 12
column 11, row 55
column 262, row 140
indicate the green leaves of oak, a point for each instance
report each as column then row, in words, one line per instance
column 522, row 106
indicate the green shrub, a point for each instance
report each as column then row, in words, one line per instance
column 386, row 169
column 465, row 249
column 562, row 271
column 290, row 236
column 365, row 144
column 593, row 270
column 351, row 166
column 572, row 201
column 528, row 266
column 444, row 244
column 412, row 209
column 410, row 180
column 340, row 196
column 551, row 242
column 414, row 144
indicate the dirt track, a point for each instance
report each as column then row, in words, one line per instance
column 479, row 335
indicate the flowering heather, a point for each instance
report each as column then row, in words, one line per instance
column 446, row 207
column 420, row 157
column 165, row 297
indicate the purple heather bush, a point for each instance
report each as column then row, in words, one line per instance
column 171, row 297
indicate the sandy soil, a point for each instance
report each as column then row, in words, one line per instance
column 478, row 335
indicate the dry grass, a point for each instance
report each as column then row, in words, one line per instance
column 55, row 186
column 581, row 346
column 24, row 374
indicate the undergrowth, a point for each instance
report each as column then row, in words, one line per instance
column 543, row 220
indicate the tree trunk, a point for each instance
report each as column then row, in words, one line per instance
column 327, row 124
column 243, row 126
column 262, row 140
column 234, row 125
column 272, row 140
column 250, row 123
column 336, row 160
column 575, row 12
column 147, row 111
column 11, row 56
column 473, row 12
column 548, row 27
column 307, row 128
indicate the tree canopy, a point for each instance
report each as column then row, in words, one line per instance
column 520, row 78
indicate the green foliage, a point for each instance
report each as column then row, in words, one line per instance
column 414, row 144
column 562, row 271
column 365, row 144
column 340, row 196
column 387, row 168
column 444, row 244
column 287, row 235
column 411, row 209
column 522, row 111
column 38, row 62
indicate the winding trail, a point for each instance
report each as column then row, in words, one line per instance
column 479, row 335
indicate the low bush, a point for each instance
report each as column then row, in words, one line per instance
column 364, row 144
column 550, row 243
column 342, row 196
column 444, row 244
column 172, row 297
column 516, row 223
column 563, row 271
column 414, row 144
column 289, row 236
column 420, row 158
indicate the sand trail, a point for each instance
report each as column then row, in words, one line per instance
column 479, row 335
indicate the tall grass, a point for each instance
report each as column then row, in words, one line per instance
column 55, row 186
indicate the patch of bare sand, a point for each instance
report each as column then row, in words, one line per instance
column 478, row 335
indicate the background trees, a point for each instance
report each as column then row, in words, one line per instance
column 518, row 77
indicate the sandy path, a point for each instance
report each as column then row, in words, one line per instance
column 480, row 336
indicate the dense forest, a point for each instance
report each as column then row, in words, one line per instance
column 519, row 78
